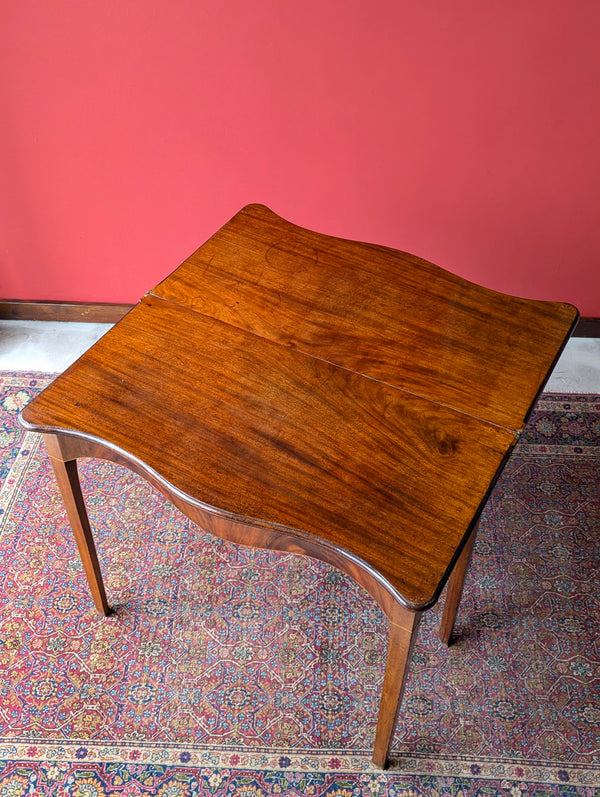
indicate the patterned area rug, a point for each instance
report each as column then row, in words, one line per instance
column 229, row 671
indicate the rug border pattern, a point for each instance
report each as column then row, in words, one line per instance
column 286, row 759
column 259, row 759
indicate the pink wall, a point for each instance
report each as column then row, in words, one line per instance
column 466, row 132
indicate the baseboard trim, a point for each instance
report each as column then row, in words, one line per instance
column 587, row 328
column 91, row 312
column 110, row 313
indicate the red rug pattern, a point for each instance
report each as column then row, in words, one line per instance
column 227, row 669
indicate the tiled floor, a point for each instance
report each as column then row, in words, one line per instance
column 52, row 346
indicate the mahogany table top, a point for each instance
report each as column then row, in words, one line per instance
column 289, row 380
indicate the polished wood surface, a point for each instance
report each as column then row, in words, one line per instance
column 290, row 390
column 67, row 479
column 402, row 637
column 376, row 311
column 259, row 433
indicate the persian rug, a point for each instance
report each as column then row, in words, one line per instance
column 230, row 671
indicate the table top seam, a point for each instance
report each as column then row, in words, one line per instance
column 517, row 432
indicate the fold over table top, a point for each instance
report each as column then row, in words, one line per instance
column 287, row 379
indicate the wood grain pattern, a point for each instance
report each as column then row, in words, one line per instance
column 259, row 433
column 293, row 391
column 67, row 479
column 383, row 313
column 402, row 638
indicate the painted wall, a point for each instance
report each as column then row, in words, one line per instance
column 466, row 132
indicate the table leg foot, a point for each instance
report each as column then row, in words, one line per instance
column 455, row 588
column 400, row 646
column 67, row 479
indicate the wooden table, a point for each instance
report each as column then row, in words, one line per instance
column 289, row 390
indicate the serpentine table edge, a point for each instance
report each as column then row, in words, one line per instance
column 342, row 400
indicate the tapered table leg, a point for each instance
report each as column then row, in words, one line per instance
column 403, row 632
column 455, row 588
column 67, row 479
